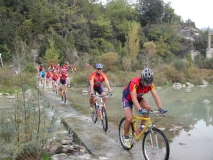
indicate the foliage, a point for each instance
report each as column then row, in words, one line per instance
column 109, row 61
column 30, row 68
column 51, row 54
column 181, row 64
column 25, row 127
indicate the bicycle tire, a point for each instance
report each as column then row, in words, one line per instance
column 65, row 97
column 104, row 119
column 94, row 115
column 121, row 134
column 155, row 145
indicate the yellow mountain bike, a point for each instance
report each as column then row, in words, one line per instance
column 155, row 145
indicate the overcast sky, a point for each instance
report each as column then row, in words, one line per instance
column 199, row 11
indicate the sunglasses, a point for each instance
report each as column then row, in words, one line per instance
column 99, row 68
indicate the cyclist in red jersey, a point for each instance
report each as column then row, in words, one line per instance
column 55, row 79
column 63, row 79
column 48, row 77
column 96, row 79
column 51, row 67
column 133, row 95
column 66, row 66
column 58, row 68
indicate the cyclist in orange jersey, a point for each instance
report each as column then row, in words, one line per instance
column 96, row 79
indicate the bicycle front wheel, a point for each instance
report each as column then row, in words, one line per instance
column 94, row 115
column 155, row 145
column 121, row 134
column 65, row 97
column 104, row 119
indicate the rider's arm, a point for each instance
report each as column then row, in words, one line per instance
column 135, row 100
column 91, row 82
column 108, row 86
column 156, row 98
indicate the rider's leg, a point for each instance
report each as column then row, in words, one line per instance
column 128, row 115
column 145, row 105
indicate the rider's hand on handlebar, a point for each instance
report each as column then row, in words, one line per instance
column 92, row 94
column 162, row 111
column 109, row 94
column 142, row 111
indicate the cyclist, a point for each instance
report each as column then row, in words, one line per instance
column 48, row 77
column 73, row 68
column 133, row 95
column 51, row 67
column 42, row 76
column 63, row 79
column 95, row 84
column 58, row 68
column 55, row 79
column 40, row 68
column 66, row 66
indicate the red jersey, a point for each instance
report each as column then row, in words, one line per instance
column 48, row 74
column 136, row 86
column 55, row 76
column 40, row 68
column 98, row 78
column 66, row 66
column 63, row 77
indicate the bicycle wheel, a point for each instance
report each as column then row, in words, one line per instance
column 94, row 115
column 155, row 145
column 104, row 119
column 65, row 97
column 62, row 95
column 121, row 134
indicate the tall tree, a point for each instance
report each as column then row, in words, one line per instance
column 151, row 11
column 133, row 42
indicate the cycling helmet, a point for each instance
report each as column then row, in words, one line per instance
column 41, row 64
column 99, row 65
column 147, row 76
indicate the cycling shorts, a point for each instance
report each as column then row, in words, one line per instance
column 63, row 82
column 99, row 90
column 129, row 104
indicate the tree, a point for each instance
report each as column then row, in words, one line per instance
column 109, row 61
column 51, row 54
column 133, row 42
column 151, row 11
column 149, row 49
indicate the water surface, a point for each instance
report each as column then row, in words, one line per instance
column 188, row 123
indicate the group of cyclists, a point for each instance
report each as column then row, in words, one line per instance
column 132, row 93
column 56, row 75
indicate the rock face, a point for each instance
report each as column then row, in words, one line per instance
column 189, row 33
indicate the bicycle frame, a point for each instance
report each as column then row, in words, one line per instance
column 134, row 120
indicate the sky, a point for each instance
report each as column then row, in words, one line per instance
column 198, row 11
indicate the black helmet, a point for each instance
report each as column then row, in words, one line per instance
column 147, row 76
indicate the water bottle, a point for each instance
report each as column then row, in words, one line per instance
column 140, row 128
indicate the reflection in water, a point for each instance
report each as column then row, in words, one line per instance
column 188, row 123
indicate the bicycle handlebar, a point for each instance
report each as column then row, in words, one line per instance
column 100, row 96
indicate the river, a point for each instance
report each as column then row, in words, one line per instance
column 188, row 124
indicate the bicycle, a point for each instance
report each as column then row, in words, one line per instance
column 100, row 110
column 62, row 89
column 55, row 87
column 155, row 144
